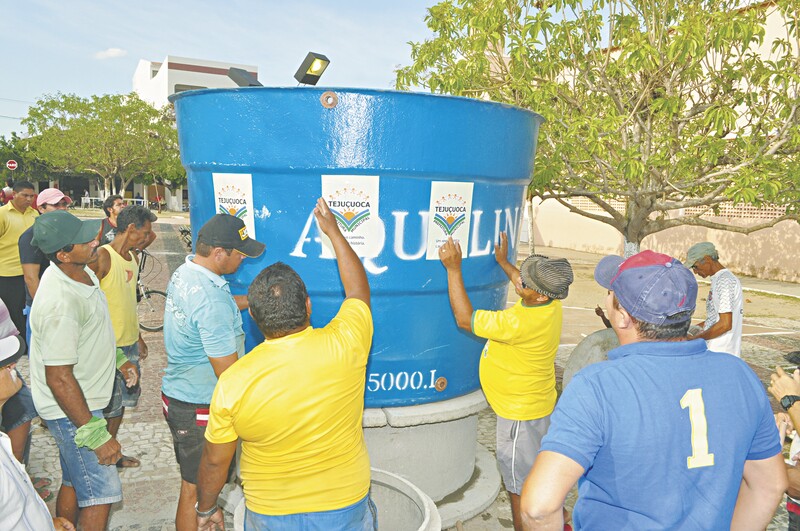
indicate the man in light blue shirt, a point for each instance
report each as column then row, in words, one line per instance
column 203, row 336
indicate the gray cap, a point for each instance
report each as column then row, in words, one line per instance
column 699, row 251
column 549, row 276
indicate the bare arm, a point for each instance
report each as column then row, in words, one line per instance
column 31, row 274
column 450, row 255
column 102, row 265
column 793, row 473
column 220, row 364
column 545, row 490
column 763, row 483
column 724, row 324
column 501, row 256
column 783, row 384
column 70, row 399
column 241, row 302
column 351, row 270
column 211, row 476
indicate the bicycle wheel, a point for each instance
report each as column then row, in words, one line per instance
column 151, row 310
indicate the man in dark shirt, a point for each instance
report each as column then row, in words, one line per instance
column 112, row 206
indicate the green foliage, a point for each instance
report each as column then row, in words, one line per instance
column 659, row 104
column 114, row 137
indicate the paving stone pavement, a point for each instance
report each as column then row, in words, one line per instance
column 151, row 491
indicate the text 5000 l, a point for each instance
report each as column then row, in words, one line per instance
column 401, row 381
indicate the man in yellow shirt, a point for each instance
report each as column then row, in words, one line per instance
column 15, row 218
column 517, row 367
column 296, row 401
column 117, row 269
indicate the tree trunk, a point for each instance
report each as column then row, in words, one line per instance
column 631, row 248
column 531, row 227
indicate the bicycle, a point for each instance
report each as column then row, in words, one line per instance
column 151, row 302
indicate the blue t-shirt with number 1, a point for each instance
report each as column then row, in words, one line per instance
column 662, row 430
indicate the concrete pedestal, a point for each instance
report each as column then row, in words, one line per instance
column 434, row 446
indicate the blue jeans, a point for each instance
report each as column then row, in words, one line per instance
column 94, row 484
column 361, row 516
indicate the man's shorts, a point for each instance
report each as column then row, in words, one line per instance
column 518, row 442
column 361, row 516
column 94, row 484
column 187, row 423
column 123, row 396
column 18, row 410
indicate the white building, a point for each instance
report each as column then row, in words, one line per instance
column 154, row 82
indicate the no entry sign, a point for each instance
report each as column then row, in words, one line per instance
column 11, row 164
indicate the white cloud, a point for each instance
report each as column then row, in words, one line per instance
column 111, row 53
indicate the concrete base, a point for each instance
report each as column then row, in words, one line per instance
column 431, row 445
column 474, row 497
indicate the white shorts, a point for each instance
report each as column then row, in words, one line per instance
column 518, row 442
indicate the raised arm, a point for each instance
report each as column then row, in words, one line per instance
column 450, row 255
column 501, row 256
column 351, row 270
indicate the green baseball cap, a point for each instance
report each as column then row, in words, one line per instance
column 699, row 251
column 57, row 229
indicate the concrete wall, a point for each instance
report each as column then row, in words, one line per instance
column 768, row 253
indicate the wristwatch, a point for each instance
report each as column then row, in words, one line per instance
column 206, row 514
column 788, row 401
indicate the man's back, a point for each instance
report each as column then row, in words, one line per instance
column 663, row 430
column 516, row 368
column 297, row 404
column 725, row 296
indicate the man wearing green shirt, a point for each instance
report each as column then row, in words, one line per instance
column 72, row 363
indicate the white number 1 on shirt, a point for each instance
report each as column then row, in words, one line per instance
column 693, row 399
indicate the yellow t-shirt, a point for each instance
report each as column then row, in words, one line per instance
column 297, row 403
column 119, row 285
column 517, row 367
column 12, row 224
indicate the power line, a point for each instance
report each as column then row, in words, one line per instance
column 18, row 101
column 10, row 117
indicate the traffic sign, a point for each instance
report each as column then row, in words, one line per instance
column 11, row 164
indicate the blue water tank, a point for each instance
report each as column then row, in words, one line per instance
column 402, row 171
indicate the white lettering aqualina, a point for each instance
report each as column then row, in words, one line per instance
column 400, row 245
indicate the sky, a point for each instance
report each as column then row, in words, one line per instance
column 91, row 47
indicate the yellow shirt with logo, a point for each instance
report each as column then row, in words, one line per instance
column 517, row 368
column 119, row 285
column 12, row 224
column 297, row 404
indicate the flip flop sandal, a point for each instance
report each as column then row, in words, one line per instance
column 125, row 459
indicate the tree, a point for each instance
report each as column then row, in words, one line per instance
column 29, row 168
column 116, row 137
column 657, row 105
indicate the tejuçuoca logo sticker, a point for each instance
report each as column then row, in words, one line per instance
column 450, row 213
column 350, row 207
column 233, row 201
